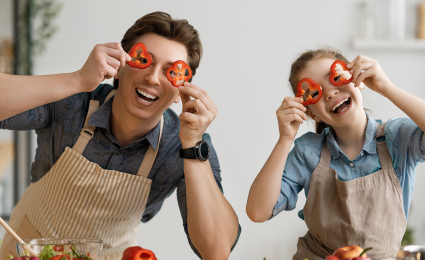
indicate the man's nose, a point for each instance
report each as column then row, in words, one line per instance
column 152, row 77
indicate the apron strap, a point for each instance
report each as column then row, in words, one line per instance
column 87, row 132
column 381, row 147
column 150, row 155
column 325, row 155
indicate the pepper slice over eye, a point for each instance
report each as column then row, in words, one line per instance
column 179, row 73
column 339, row 74
column 309, row 90
column 140, row 58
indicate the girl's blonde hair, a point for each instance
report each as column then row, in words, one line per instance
column 301, row 63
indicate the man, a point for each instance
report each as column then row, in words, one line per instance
column 126, row 148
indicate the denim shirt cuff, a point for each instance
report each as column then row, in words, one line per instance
column 282, row 204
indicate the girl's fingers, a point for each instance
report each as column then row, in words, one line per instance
column 296, row 99
column 363, row 76
column 361, row 69
column 357, row 61
column 291, row 111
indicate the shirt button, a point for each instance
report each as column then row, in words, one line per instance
column 361, row 154
column 119, row 152
column 352, row 164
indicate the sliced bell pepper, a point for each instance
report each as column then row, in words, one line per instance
column 138, row 253
column 306, row 91
column 340, row 75
column 179, row 73
column 140, row 58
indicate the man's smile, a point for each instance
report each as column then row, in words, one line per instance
column 146, row 97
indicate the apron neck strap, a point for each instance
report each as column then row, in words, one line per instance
column 381, row 147
column 325, row 155
column 150, row 155
column 87, row 132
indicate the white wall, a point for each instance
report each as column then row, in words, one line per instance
column 252, row 44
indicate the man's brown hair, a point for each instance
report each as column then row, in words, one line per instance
column 164, row 25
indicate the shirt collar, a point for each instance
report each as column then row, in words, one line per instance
column 101, row 118
column 369, row 145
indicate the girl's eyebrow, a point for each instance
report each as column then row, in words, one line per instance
column 327, row 75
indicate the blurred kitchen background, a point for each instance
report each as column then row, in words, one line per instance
column 248, row 49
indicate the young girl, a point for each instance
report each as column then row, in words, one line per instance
column 357, row 173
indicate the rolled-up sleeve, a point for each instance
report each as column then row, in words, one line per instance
column 293, row 180
column 407, row 137
column 35, row 118
column 181, row 192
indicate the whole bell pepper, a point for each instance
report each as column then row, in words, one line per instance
column 140, row 58
column 138, row 253
column 339, row 74
column 349, row 253
column 179, row 73
column 313, row 87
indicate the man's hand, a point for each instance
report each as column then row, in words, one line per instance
column 103, row 63
column 197, row 114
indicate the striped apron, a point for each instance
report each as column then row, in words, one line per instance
column 367, row 211
column 79, row 199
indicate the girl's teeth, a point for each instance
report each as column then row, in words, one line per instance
column 337, row 105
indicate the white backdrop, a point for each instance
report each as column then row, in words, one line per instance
column 251, row 44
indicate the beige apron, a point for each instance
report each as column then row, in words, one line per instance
column 366, row 211
column 79, row 199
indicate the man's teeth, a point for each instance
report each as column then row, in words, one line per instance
column 337, row 105
column 146, row 94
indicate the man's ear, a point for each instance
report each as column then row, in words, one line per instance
column 177, row 99
column 310, row 114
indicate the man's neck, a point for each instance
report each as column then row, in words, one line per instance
column 351, row 139
column 126, row 128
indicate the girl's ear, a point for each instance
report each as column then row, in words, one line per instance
column 313, row 116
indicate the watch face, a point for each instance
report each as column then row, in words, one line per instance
column 204, row 150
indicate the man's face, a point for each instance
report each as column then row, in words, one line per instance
column 146, row 93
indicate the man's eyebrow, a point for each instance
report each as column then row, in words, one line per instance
column 167, row 64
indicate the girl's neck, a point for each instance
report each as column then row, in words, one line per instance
column 352, row 137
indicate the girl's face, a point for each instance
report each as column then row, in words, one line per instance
column 339, row 106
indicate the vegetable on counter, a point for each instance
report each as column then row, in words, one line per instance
column 61, row 252
column 138, row 253
column 349, row 253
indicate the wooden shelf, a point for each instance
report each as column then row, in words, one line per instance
column 389, row 45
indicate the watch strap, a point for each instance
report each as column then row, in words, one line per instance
column 189, row 153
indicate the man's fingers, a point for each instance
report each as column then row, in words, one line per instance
column 119, row 55
column 198, row 93
column 188, row 117
column 197, row 105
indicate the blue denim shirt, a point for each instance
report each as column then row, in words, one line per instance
column 58, row 125
column 405, row 142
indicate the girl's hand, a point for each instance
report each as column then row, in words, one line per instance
column 367, row 70
column 289, row 116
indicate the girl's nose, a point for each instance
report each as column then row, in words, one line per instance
column 331, row 93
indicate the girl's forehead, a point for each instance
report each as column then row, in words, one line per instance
column 317, row 68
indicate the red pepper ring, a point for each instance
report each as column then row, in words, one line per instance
column 179, row 73
column 140, row 57
column 312, row 88
column 339, row 74
column 138, row 253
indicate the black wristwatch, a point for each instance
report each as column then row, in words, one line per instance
column 201, row 151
